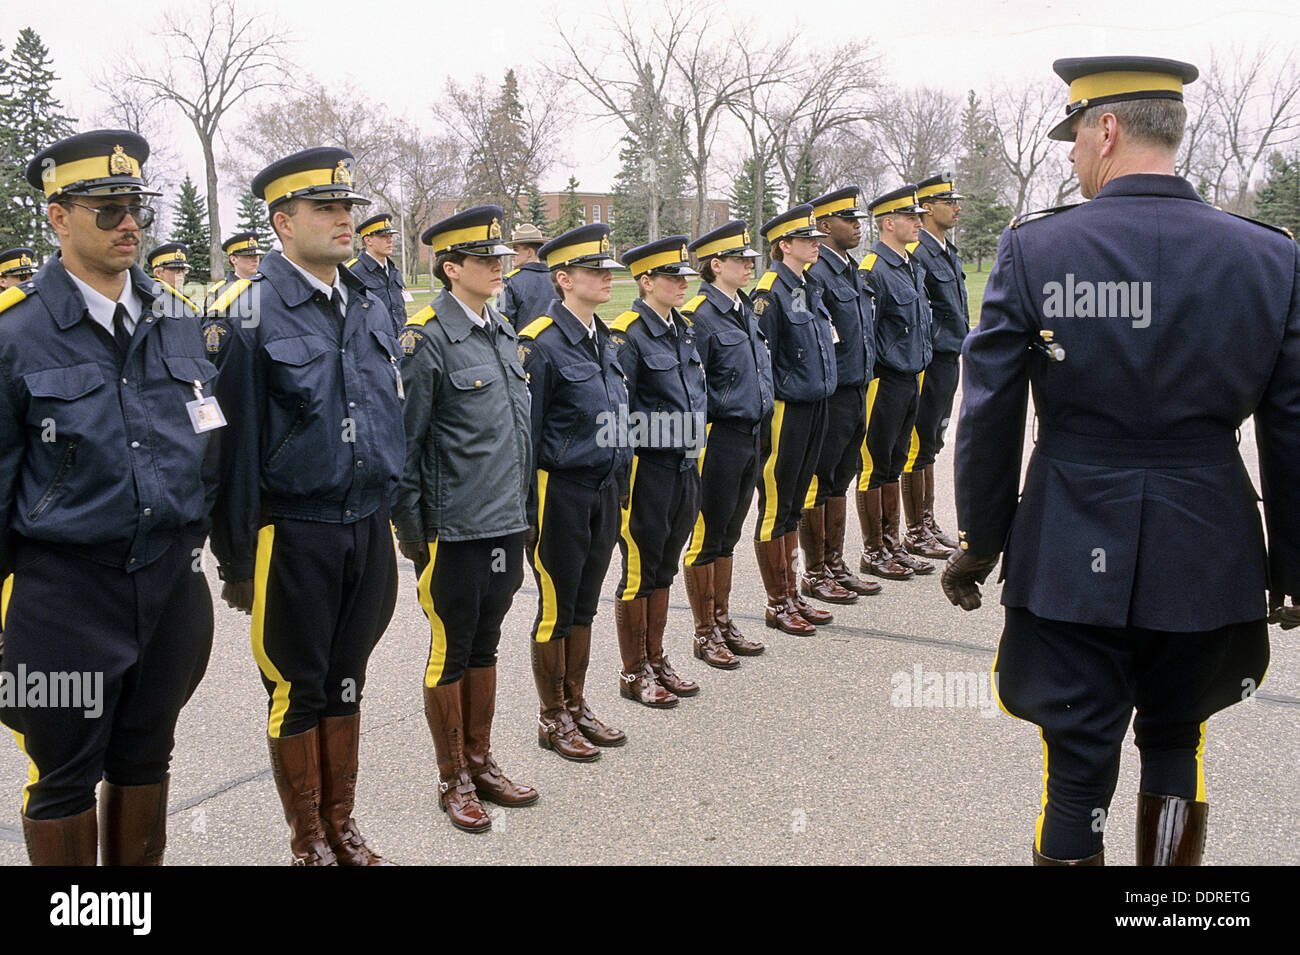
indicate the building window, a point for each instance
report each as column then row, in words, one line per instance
column 595, row 212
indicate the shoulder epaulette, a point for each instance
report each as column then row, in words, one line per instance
column 512, row 272
column 911, row 247
column 766, row 281
column 216, row 285
column 1018, row 221
column 224, row 300
column 536, row 327
column 693, row 304
column 625, row 320
column 11, row 297
column 869, row 262
column 351, row 262
column 180, row 295
column 1267, row 225
column 422, row 316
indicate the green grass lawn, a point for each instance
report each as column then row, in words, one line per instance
column 625, row 292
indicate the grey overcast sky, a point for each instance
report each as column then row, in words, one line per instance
column 400, row 52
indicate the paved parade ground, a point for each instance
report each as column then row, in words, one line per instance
column 799, row 756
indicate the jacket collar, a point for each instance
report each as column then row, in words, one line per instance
column 1150, row 184
column 718, row 298
column 836, row 262
column 656, row 325
column 786, row 275
column 570, row 324
column 456, row 323
column 535, row 267
column 932, row 244
column 293, row 288
column 886, row 253
column 65, row 301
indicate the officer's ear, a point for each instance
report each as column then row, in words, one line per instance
column 58, row 214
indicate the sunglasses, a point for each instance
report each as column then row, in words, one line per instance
column 111, row 216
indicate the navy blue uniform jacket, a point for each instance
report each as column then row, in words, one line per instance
column 527, row 294
column 1137, row 509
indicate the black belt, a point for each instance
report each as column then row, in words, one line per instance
column 1137, row 452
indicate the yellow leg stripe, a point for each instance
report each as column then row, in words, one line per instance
column 1038, row 827
column 550, row 606
column 33, row 774
column 261, row 573
column 696, row 543
column 633, row 552
column 768, row 524
column 993, row 678
column 810, row 499
column 1200, row 766
column 864, row 478
column 915, row 448
column 437, row 632
column 6, row 591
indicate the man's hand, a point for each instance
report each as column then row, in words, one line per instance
column 1288, row 618
column 530, row 537
column 962, row 577
column 417, row 553
column 238, row 594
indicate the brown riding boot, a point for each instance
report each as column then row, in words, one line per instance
column 478, row 702
column 656, row 618
column 780, row 614
column 577, row 653
column 835, row 566
column 1170, row 830
column 889, row 518
column 1098, row 859
column 876, row 558
column 340, row 745
column 806, row 610
column 133, row 823
column 927, row 512
column 917, row 539
column 635, row 680
column 457, row 795
column 555, row 727
column 71, row 840
column 709, row 645
column 816, row 580
column 295, row 764
column 738, row 643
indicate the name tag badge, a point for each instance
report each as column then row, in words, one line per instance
column 205, row 413
column 407, row 296
column 835, row 334
column 401, row 392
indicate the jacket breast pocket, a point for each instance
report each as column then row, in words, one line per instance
column 299, row 370
column 472, row 383
column 902, row 294
column 188, row 370
column 68, row 400
column 731, row 336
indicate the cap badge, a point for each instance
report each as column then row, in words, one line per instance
column 494, row 230
column 25, row 260
column 604, row 243
column 685, row 252
column 812, row 221
column 119, row 164
column 746, row 237
column 341, row 175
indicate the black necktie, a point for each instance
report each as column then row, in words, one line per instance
column 120, row 334
column 336, row 299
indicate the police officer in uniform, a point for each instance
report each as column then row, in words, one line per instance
column 309, row 465
column 377, row 270
column 1135, row 566
column 666, row 421
column 945, row 286
column 821, row 531
column 577, row 389
column 168, row 265
column 738, row 374
column 528, row 291
column 16, row 267
column 801, row 340
column 903, row 348
column 105, row 417
column 460, row 510
column 244, row 253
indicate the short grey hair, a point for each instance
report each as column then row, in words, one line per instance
column 1152, row 122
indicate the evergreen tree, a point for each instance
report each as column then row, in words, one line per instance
column 13, row 220
column 190, row 228
column 742, row 194
column 570, row 209
column 1277, row 201
column 806, row 185
column 982, row 178
column 36, row 120
column 252, row 216
column 537, row 211
column 632, row 190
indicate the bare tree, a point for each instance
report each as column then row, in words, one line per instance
column 1023, row 116
column 630, row 74
column 430, row 174
column 206, row 65
column 129, row 106
column 919, row 133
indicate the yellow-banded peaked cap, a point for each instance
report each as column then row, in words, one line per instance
column 586, row 247
column 731, row 239
column 323, row 173
column 1097, row 80
column 795, row 223
column 667, row 256
column 102, row 162
column 475, row 231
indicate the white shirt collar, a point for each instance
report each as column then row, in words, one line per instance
column 326, row 290
column 943, row 243
column 101, row 307
column 479, row 320
column 826, row 247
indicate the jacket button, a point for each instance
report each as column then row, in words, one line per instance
column 361, row 464
column 148, row 512
column 478, row 384
column 135, row 444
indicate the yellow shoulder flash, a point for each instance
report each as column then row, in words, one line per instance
column 911, row 246
column 11, row 297
column 536, row 327
column 512, row 273
column 868, row 263
column 766, row 281
column 693, row 304
column 226, row 298
column 351, row 262
column 422, row 316
column 624, row 321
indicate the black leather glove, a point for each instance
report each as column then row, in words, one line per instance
column 1288, row 618
column 962, row 577
column 417, row 553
